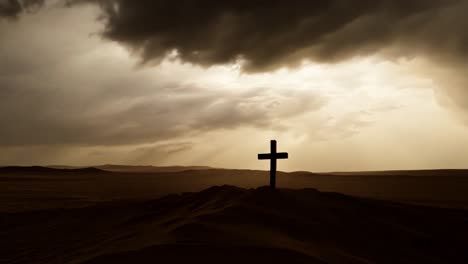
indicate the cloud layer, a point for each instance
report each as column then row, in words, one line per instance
column 67, row 96
column 267, row 35
column 71, row 89
column 270, row 34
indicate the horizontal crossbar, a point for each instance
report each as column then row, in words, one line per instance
column 280, row 155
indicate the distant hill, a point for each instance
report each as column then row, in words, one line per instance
column 46, row 170
column 227, row 224
column 436, row 173
column 19, row 169
column 149, row 169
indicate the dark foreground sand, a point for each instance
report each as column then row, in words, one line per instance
column 235, row 225
column 125, row 214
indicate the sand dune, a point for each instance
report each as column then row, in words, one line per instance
column 235, row 225
column 35, row 188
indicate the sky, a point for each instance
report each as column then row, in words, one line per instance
column 341, row 85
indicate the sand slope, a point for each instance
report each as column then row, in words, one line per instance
column 234, row 225
column 37, row 188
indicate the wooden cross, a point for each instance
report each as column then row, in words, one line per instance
column 273, row 156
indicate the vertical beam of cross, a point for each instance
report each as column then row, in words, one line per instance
column 273, row 156
column 273, row 164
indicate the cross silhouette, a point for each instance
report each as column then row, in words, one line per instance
column 273, row 156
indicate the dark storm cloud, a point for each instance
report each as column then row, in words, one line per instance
column 67, row 89
column 12, row 8
column 271, row 34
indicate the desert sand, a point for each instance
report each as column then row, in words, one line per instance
column 90, row 215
